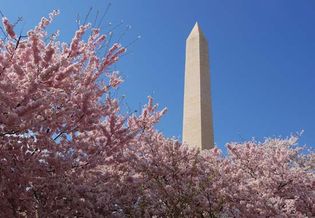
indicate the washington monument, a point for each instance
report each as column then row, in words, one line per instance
column 197, row 120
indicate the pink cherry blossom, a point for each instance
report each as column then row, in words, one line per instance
column 8, row 27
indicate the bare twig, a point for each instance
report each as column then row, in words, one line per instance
column 96, row 16
column 20, row 19
column 78, row 20
column 62, row 132
column 87, row 15
column 104, row 14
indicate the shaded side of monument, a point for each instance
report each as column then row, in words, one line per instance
column 197, row 119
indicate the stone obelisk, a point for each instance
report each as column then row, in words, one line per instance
column 197, row 121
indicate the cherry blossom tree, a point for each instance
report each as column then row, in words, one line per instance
column 273, row 178
column 67, row 149
column 58, row 122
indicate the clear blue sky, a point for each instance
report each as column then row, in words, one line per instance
column 262, row 58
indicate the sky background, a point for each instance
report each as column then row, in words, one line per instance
column 262, row 58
